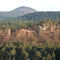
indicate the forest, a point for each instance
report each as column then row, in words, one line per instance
column 29, row 40
column 20, row 51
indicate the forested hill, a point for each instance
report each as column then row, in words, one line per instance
column 37, row 16
column 16, row 12
column 28, row 14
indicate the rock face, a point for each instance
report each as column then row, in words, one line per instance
column 24, row 33
column 1, row 31
column 49, row 26
column 8, row 32
column 5, row 32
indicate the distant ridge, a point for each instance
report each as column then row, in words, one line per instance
column 28, row 14
column 38, row 16
column 17, row 12
column 24, row 8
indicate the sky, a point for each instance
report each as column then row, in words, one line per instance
column 40, row 5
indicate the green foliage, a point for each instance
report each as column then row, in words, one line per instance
column 19, row 51
column 22, row 51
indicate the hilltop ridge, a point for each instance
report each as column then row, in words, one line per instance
column 16, row 12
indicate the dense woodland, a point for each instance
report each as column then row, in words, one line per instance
column 20, row 51
column 27, row 34
column 29, row 40
column 35, row 16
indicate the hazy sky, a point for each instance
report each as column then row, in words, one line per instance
column 40, row 5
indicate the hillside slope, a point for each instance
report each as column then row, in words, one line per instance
column 37, row 16
column 16, row 12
